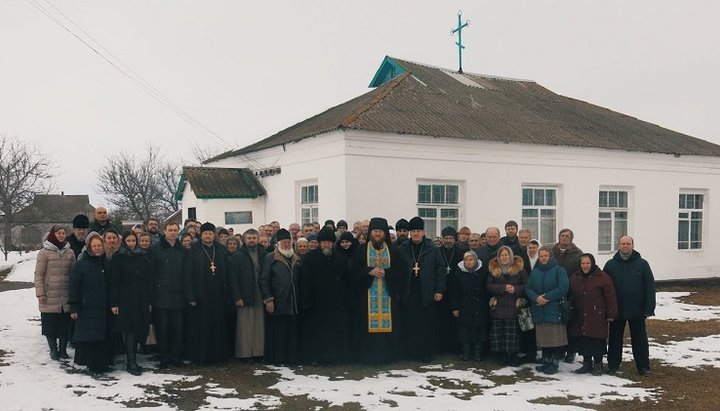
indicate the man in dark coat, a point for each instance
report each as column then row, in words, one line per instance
column 243, row 275
column 80, row 226
column 635, row 290
column 279, row 289
column 447, row 323
column 209, row 298
column 511, row 237
column 490, row 249
column 324, row 315
column 401, row 231
column 567, row 255
column 152, row 225
column 168, row 296
column 102, row 222
column 379, row 273
column 425, row 289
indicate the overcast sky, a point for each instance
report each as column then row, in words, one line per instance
column 249, row 69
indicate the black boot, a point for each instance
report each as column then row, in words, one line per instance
column 131, row 354
column 597, row 369
column 63, row 349
column 465, row 352
column 52, row 343
column 544, row 365
column 586, row 368
column 552, row 367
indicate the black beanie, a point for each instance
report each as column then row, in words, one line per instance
column 402, row 224
column 81, row 221
column 416, row 223
column 326, row 234
column 449, row 231
column 378, row 223
column 283, row 234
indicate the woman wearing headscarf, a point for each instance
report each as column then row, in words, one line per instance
column 89, row 307
column 548, row 284
column 594, row 297
column 469, row 303
column 346, row 245
column 130, row 291
column 532, row 253
column 52, row 278
column 506, row 285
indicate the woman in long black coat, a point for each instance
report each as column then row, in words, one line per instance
column 130, row 291
column 469, row 301
column 89, row 307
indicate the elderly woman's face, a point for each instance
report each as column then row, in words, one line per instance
column 469, row 262
column 585, row 264
column 232, row 246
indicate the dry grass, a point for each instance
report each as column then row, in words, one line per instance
column 11, row 285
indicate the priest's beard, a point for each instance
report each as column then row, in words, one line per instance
column 286, row 253
column 448, row 246
column 377, row 244
column 327, row 252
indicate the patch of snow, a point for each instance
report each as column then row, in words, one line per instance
column 253, row 403
column 695, row 353
column 670, row 308
column 23, row 267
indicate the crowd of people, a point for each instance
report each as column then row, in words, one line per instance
column 327, row 294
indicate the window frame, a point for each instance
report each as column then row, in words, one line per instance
column 308, row 201
column 537, row 229
column 438, row 203
column 613, row 206
column 689, row 219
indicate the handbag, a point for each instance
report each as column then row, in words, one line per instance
column 151, row 340
column 567, row 309
column 525, row 319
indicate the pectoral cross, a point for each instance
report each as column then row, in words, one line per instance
column 416, row 269
column 447, row 270
column 212, row 266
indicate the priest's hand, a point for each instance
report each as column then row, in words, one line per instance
column 240, row 303
column 74, row 316
column 378, row 272
column 270, row 307
column 438, row 297
column 456, row 313
column 115, row 310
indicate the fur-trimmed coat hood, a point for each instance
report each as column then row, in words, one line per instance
column 515, row 268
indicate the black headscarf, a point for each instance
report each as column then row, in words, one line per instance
column 593, row 266
column 353, row 246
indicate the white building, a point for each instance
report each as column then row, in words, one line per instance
column 476, row 150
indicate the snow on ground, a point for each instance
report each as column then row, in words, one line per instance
column 669, row 307
column 30, row 380
column 23, row 266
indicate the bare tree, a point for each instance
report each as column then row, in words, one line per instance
column 203, row 152
column 140, row 187
column 24, row 172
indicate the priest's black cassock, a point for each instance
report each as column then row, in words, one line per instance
column 447, row 323
column 206, row 286
column 325, row 309
column 376, row 347
column 426, row 279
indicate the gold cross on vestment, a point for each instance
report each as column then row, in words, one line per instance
column 212, row 266
column 416, row 269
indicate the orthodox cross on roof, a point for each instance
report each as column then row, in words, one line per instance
column 458, row 30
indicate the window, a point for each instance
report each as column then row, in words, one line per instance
column 309, row 204
column 192, row 213
column 539, row 212
column 690, row 221
column 612, row 219
column 238, row 217
column 439, row 207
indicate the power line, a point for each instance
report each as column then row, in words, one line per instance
column 128, row 72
